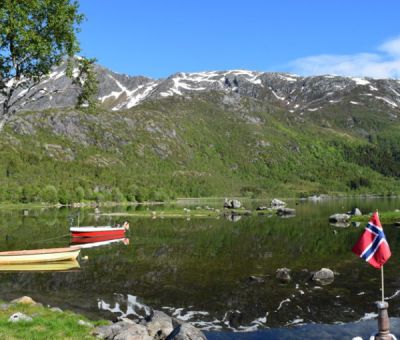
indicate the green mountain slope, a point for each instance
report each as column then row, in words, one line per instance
column 199, row 146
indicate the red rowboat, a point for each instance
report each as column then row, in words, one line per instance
column 117, row 232
column 81, row 240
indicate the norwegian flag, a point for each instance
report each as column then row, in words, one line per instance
column 372, row 245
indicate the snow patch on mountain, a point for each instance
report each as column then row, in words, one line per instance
column 360, row 81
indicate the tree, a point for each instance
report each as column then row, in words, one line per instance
column 36, row 35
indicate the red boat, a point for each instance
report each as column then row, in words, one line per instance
column 105, row 231
column 83, row 240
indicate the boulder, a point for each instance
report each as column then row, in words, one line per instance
column 18, row 317
column 324, row 276
column 160, row 325
column 109, row 332
column 339, row 218
column 232, row 204
column 134, row 332
column 187, row 332
column 56, row 309
column 275, row 203
column 256, row 279
column 25, row 300
column 85, row 323
column 285, row 211
column 283, row 275
column 354, row 212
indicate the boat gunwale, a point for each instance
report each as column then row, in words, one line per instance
column 38, row 251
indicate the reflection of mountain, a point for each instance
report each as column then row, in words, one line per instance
column 203, row 266
column 132, row 306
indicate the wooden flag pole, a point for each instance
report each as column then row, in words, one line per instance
column 383, row 286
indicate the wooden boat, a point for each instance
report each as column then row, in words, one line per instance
column 84, row 240
column 39, row 255
column 55, row 266
column 91, row 242
column 100, row 231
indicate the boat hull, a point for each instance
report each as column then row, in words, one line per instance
column 79, row 240
column 97, row 232
column 39, row 255
column 55, row 266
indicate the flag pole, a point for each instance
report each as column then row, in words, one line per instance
column 383, row 287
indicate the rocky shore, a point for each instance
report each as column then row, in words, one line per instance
column 156, row 326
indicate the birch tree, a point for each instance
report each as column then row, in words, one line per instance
column 36, row 35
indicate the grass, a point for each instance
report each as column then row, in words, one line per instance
column 386, row 217
column 46, row 324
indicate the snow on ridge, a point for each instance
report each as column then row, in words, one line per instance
column 395, row 92
column 277, row 97
column 360, row 81
column 287, row 78
column 387, row 101
column 134, row 100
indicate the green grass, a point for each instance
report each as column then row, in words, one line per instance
column 386, row 217
column 46, row 324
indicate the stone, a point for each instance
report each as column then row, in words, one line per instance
column 25, row 300
column 285, row 211
column 263, row 207
column 160, row 325
column 134, row 332
column 339, row 218
column 283, row 275
column 85, row 323
column 109, row 332
column 356, row 212
column 18, row 317
column 256, row 279
column 324, row 276
column 56, row 309
column 187, row 332
column 232, row 204
column 275, row 203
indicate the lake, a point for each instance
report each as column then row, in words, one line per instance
column 218, row 274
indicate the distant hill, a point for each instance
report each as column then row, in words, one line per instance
column 203, row 134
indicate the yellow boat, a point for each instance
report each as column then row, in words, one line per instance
column 41, row 267
column 39, row 255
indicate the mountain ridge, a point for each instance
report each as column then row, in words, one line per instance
column 204, row 134
column 296, row 93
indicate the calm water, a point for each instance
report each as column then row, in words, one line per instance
column 199, row 270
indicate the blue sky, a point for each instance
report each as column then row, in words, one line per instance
column 157, row 38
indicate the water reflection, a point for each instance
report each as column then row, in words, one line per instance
column 199, row 269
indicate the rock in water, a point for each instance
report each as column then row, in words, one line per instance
column 339, row 218
column 285, row 211
column 324, row 276
column 275, row 203
column 283, row 275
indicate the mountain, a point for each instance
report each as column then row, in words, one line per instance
column 232, row 132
